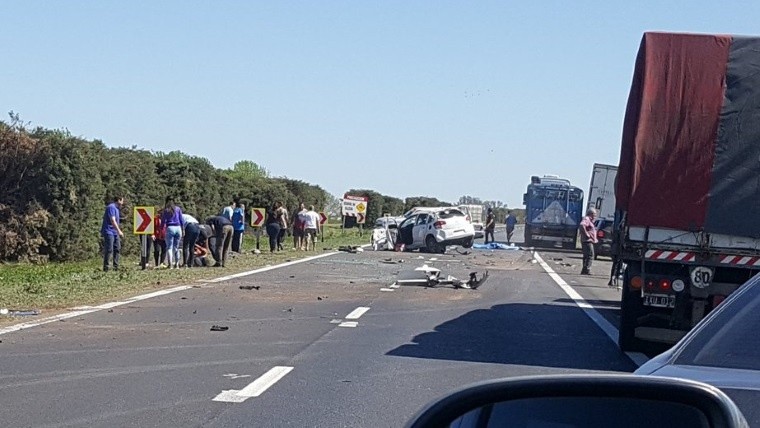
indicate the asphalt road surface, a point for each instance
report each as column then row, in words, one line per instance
column 322, row 343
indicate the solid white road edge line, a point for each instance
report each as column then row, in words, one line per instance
column 77, row 312
column 84, row 310
column 255, row 388
column 264, row 269
column 356, row 313
column 592, row 313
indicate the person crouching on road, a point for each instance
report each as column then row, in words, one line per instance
column 112, row 234
column 588, row 239
column 222, row 229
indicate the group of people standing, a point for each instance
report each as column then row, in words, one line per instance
column 178, row 239
column 174, row 230
column 510, row 221
column 305, row 225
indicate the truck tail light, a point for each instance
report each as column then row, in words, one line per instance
column 600, row 234
column 636, row 282
column 651, row 284
column 439, row 224
column 665, row 284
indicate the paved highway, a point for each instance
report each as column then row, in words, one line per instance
column 321, row 343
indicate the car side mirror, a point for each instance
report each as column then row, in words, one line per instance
column 588, row 401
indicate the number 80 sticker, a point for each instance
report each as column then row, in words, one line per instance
column 701, row 276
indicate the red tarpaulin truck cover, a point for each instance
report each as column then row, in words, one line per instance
column 690, row 154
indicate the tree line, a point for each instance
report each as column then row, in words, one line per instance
column 54, row 187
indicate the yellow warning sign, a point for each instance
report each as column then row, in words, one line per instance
column 361, row 208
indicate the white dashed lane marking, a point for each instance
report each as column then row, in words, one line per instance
column 255, row 388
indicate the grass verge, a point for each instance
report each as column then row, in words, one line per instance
column 56, row 286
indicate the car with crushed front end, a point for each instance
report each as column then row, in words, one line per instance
column 434, row 229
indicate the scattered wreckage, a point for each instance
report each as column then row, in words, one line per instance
column 430, row 276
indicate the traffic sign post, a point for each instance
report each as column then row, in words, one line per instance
column 355, row 206
column 143, row 225
column 257, row 220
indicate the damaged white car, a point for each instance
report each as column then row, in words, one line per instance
column 436, row 229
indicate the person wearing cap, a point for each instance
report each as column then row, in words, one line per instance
column 490, row 226
column 588, row 239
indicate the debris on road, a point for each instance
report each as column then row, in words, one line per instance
column 429, row 276
column 249, row 287
column 353, row 249
column 21, row 313
column 495, row 246
column 288, row 310
column 219, row 328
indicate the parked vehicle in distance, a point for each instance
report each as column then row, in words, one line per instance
column 722, row 350
column 435, row 228
column 601, row 191
column 474, row 213
column 604, row 230
column 553, row 211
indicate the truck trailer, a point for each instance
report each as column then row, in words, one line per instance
column 687, row 212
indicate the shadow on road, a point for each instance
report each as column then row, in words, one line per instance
column 524, row 334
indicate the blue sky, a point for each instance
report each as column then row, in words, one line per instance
column 409, row 98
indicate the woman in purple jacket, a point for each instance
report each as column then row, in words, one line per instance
column 171, row 217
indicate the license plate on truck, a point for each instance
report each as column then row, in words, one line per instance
column 660, row 300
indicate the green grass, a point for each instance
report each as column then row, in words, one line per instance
column 63, row 285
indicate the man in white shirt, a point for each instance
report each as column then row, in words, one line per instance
column 311, row 222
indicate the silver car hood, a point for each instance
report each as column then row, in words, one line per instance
column 716, row 376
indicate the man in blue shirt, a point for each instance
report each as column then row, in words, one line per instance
column 511, row 221
column 111, row 232
column 238, row 224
